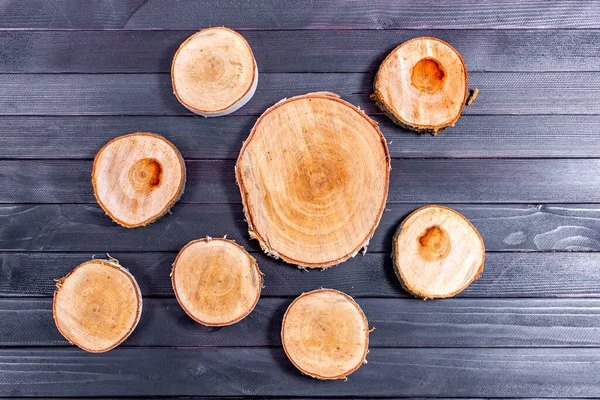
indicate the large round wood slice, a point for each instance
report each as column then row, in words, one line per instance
column 437, row 253
column 137, row 178
column 216, row 281
column 325, row 334
column 97, row 305
column 314, row 177
column 422, row 85
column 214, row 72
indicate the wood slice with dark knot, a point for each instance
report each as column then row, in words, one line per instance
column 314, row 178
column 437, row 253
column 422, row 85
column 137, row 178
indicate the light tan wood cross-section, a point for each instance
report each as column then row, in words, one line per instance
column 137, row 178
column 422, row 85
column 214, row 72
column 325, row 334
column 314, row 177
column 97, row 305
column 437, row 253
column 216, row 281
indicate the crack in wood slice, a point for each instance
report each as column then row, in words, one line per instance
column 313, row 176
column 422, row 85
column 216, row 281
column 325, row 334
column 137, row 178
column 214, row 72
column 97, row 305
column 437, row 253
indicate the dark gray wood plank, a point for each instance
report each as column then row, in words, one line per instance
column 495, row 136
column 70, row 227
column 505, row 275
column 399, row 323
column 321, row 14
column 545, row 372
column 411, row 181
column 296, row 51
column 518, row 93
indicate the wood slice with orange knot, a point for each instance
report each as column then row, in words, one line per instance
column 437, row 253
column 325, row 334
column 422, row 85
column 97, row 305
column 216, row 281
column 137, row 178
column 313, row 176
column 214, row 72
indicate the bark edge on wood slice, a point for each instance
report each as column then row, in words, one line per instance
column 422, row 85
column 214, row 72
column 313, row 176
column 103, row 294
column 216, row 281
column 437, row 252
column 150, row 177
column 325, row 334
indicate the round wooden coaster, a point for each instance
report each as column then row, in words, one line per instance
column 216, row 281
column 137, row 178
column 422, row 85
column 314, row 176
column 437, row 253
column 97, row 305
column 214, row 72
column 325, row 334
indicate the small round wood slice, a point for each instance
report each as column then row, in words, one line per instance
column 437, row 253
column 422, row 85
column 137, row 178
column 214, row 72
column 97, row 305
column 314, row 177
column 216, row 281
column 325, row 334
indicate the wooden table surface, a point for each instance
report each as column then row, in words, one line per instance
column 523, row 164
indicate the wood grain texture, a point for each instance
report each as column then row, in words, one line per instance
column 475, row 136
column 322, row 14
column 313, row 51
column 84, row 228
column 505, row 275
column 398, row 323
column 71, row 227
column 411, row 181
column 267, row 372
column 518, row 93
